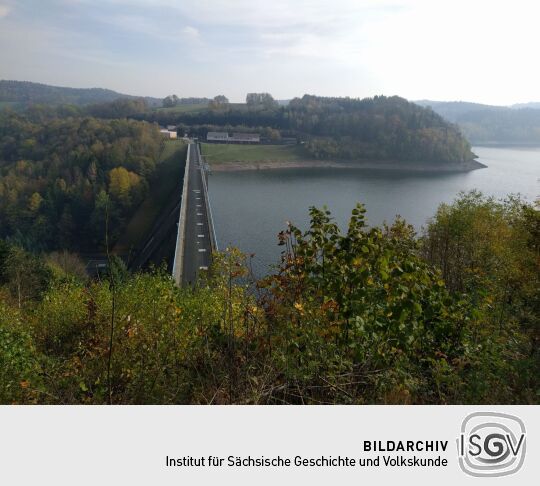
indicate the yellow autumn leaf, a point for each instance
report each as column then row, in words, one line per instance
column 299, row 307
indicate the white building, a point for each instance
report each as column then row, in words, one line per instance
column 167, row 133
column 245, row 138
column 236, row 137
column 217, row 137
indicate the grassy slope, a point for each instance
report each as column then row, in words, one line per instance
column 194, row 108
column 183, row 108
column 167, row 179
column 222, row 154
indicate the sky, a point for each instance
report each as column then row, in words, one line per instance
column 471, row 50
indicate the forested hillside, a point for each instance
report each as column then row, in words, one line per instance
column 379, row 128
column 60, row 177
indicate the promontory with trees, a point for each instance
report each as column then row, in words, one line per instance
column 373, row 129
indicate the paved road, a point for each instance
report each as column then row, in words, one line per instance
column 197, row 244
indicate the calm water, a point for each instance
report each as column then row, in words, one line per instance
column 251, row 207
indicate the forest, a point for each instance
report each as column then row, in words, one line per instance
column 378, row 128
column 367, row 315
column 61, row 177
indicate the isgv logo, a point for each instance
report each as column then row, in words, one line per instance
column 491, row 444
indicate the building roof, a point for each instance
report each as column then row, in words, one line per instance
column 168, row 133
column 220, row 135
column 246, row 136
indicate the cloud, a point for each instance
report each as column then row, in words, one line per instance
column 306, row 29
column 191, row 32
column 151, row 25
column 4, row 11
column 481, row 50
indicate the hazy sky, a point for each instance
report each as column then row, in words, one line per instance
column 474, row 50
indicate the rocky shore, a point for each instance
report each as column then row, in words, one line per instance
column 365, row 165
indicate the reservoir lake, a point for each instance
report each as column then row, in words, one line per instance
column 250, row 207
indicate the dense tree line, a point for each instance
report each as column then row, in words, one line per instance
column 61, row 177
column 261, row 99
column 368, row 315
column 378, row 128
column 119, row 108
column 173, row 100
column 218, row 101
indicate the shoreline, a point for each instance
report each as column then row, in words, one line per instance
column 333, row 164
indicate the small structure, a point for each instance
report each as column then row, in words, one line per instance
column 171, row 128
column 168, row 133
column 217, row 137
column 245, row 138
column 224, row 137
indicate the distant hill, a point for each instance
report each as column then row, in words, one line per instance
column 26, row 93
column 516, row 124
column 532, row 104
column 454, row 110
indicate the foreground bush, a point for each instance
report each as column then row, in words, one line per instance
column 365, row 316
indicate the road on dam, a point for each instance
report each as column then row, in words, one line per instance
column 195, row 251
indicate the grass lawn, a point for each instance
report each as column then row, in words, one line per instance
column 196, row 107
column 217, row 153
column 167, row 179
column 183, row 108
